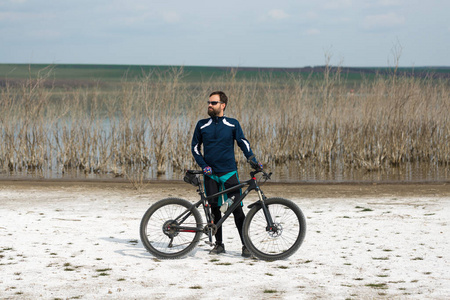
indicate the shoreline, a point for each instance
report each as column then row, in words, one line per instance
column 272, row 189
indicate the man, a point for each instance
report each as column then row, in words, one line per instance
column 217, row 135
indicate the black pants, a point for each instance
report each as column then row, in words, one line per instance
column 212, row 187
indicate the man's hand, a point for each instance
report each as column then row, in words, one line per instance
column 207, row 171
column 260, row 166
column 255, row 164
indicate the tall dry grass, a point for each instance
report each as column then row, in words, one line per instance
column 143, row 129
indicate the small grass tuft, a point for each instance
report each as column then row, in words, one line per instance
column 103, row 272
column 195, row 287
column 69, row 269
column 377, row 285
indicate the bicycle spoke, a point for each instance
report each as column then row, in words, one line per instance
column 278, row 242
column 160, row 232
column 159, row 239
column 286, row 235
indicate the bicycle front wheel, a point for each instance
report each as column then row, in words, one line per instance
column 277, row 242
column 171, row 228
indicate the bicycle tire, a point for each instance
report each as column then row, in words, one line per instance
column 285, row 241
column 157, row 240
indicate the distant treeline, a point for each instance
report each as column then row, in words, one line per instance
column 100, row 75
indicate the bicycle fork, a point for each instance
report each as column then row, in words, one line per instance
column 261, row 202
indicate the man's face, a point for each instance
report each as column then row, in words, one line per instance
column 217, row 109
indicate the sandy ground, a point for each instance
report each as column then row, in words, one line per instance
column 80, row 240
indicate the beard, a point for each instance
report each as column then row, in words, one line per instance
column 213, row 112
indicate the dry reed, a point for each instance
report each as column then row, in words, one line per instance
column 144, row 128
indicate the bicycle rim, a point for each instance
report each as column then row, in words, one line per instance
column 275, row 244
column 158, row 235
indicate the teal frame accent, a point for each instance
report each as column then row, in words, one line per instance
column 221, row 180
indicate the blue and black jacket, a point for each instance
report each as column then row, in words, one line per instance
column 217, row 135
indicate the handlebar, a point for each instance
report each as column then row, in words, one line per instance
column 255, row 166
column 265, row 175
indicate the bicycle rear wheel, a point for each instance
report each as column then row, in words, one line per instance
column 160, row 234
column 283, row 239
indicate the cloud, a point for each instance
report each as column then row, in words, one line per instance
column 45, row 34
column 381, row 3
column 171, row 17
column 17, row 16
column 337, row 4
column 389, row 2
column 383, row 21
column 312, row 31
column 312, row 15
column 278, row 14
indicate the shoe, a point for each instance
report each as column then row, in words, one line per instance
column 218, row 248
column 245, row 252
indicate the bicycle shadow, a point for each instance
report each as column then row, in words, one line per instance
column 136, row 249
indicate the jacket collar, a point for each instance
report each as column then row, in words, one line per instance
column 217, row 119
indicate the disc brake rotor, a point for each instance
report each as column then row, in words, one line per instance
column 276, row 230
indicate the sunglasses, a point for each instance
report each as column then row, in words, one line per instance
column 214, row 102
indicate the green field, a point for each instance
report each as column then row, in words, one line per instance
column 115, row 73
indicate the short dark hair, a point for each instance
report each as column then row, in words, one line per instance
column 223, row 97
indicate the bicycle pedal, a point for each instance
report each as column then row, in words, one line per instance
column 210, row 243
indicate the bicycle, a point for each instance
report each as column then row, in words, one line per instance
column 274, row 228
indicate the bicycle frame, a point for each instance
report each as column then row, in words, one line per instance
column 273, row 228
column 252, row 185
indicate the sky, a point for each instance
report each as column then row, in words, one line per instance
column 250, row 33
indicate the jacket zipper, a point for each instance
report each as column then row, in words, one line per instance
column 216, row 121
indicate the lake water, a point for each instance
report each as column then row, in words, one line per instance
column 293, row 172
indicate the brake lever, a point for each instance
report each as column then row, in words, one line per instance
column 267, row 176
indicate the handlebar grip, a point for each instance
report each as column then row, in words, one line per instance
column 253, row 164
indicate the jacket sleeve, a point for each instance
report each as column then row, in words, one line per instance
column 242, row 142
column 196, row 147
